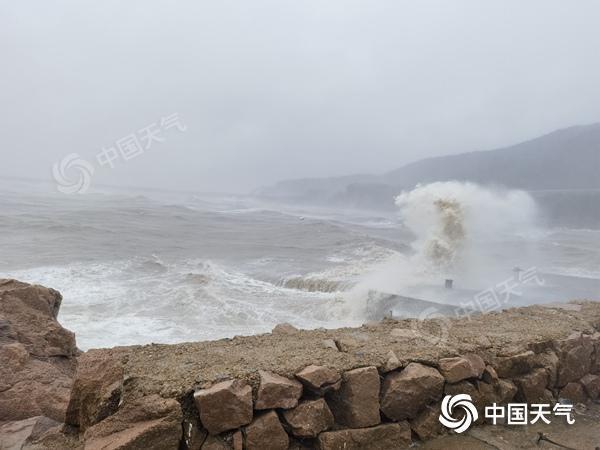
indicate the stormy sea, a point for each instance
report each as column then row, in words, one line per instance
column 166, row 267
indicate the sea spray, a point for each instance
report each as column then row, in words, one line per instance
column 455, row 227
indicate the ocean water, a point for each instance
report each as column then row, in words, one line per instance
column 169, row 267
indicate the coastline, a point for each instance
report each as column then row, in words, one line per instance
column 122, row 397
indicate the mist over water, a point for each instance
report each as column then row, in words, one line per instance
column 473, row 235
column 457, row 224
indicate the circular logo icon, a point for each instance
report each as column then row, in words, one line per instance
column 64, row 170
column 432, row 326
column 462, row 402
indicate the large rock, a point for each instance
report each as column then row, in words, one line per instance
column 573, row 392
column 266, row 433
column 549, row 361
column 37, row 355
column 96, row 390
column 515, row 365
column 490, row 376
column 147, row 423
column 277, row 392
column 224, row 406
column 284, row 328
column 505, row 391
column 533, row 387
column 320, row 379
column 309, row 418
column 404, row 394
column 356, row 404
column 392, row 362
column 461, row 367
column 574, row 358
column 215, row 443
column 17, row 435
column 427, row 424
column 382, row 437
column 591, row 384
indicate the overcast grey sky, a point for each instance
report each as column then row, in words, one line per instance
column 276, row 89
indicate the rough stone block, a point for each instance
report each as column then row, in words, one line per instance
column 149, row 423
column 96, row 390
column 266, row 432
column 404, row 394
column 277, row 392
column 224, row 406
column 461, row 368
column 320, row 379
column 591, row 384
column 309, row 418
column 356, row 403
column 533, row 387
column 573, row 392
column 427, row 424
column 574, row 358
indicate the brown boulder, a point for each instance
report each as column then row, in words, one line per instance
column 392, row 362
column 404, row 394
column 427, row 424
column 549, row 361
column 277, row 392
column 284, row 328
column 573, row 392
column 96, row 389
column 215, row 443
column 461, row 368
column 591, row 384
column 356, row 403
column 309, row 418
column 489, row 376
column 320, row 379
column 224, row 406
column 574, row 358
column 147, row 423
column 31, row 311
column 515, row 365
column 266, row 433
column 237, row 440
column 382, row 437
column 37, row 355
column 505, row 391
column 532, row 388
column 19, row 434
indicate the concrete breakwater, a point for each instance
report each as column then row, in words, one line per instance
column 379, row 386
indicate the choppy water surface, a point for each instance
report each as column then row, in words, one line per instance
column 178, row 267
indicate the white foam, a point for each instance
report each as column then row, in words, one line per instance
column 456, row 226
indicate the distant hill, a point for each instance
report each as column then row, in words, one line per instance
column 567, row 159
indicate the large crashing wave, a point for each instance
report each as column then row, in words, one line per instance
column 455, row 225
column 453, row 220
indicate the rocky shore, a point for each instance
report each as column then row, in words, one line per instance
column 379, row 386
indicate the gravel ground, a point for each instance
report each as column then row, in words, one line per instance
column 175, row 370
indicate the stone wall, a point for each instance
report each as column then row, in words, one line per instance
column 391, row 404
column 378, row 386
